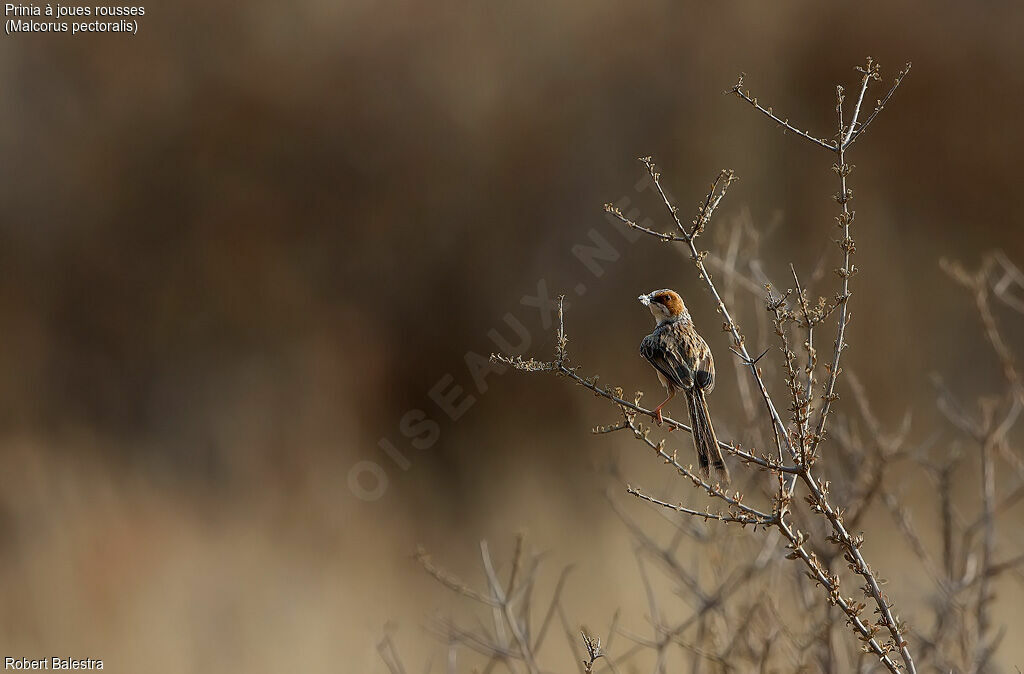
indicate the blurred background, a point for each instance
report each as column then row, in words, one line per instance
column 250, row 255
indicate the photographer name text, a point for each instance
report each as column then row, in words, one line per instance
column 55, row 662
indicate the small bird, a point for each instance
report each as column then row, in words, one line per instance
column 684, row 363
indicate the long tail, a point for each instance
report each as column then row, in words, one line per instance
column 704, row 439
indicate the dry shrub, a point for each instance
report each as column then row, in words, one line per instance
column 795, row 591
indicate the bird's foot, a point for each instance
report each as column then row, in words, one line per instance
column 656, row 416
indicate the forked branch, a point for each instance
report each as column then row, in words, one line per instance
column 796, row 447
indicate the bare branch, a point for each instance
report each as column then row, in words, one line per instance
column 879, row 105
column 737, row 90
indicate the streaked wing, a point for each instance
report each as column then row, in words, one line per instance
column 703, row 363
column 662, row 352
column 681, row 355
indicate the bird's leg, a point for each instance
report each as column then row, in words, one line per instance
column 656, row 412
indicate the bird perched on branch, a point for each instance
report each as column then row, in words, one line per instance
column 684, row 364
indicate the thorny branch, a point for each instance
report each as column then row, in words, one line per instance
column 802, row 450
column 739, row 512
column 822, row 536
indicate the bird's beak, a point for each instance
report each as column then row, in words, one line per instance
column 645, row 299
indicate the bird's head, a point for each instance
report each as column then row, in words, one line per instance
column 665, row 305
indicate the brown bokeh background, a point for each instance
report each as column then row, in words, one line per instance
column 238, row 247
